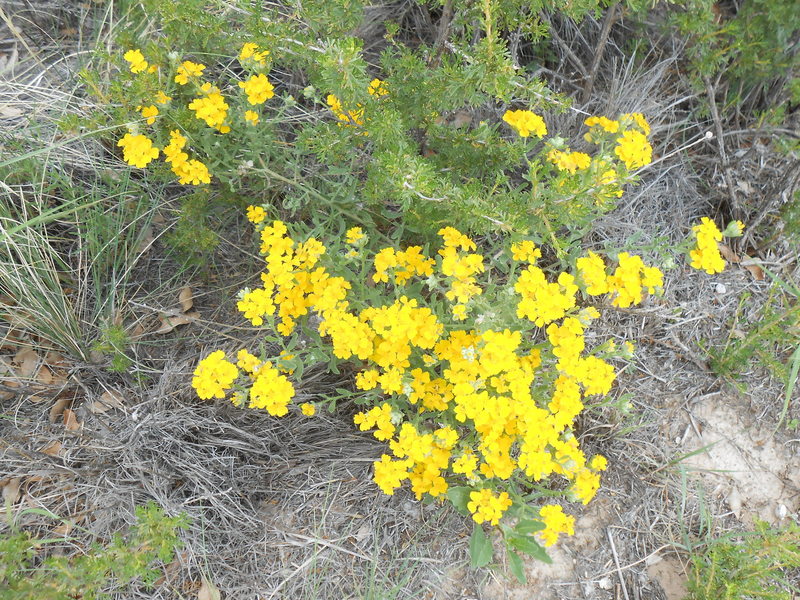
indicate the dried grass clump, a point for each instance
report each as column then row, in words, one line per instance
column 278, row 507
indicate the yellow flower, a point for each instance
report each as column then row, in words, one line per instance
column 251, row 116
column 354, row 235
column 350, row 117
column 258, row 89
column 598, row 462
column 271, row 391
column 706, row 255
column 525, row 250
column 149, row 113
column 136, row 58
column 592, row 271
column 638, row 120
column 256, row 214
column 459, row 312
column 214, row 375
column 255, row 304
column 485, row 506
column 377, row 88
column 390, row 474
column 137, row 150
column 162, row 98
column 308, row 409
column 604, row 124
column 188, row 69
column 524, row 122
column 634, row 149
column 212, row 109
column 367, row 380
column 555, row 522
column 247, row 362
column 569, row 161
column 192, row 171
column 249, row 50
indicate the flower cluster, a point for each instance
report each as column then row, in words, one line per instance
column 209, row 105
column 346, row 117
column 188, row 70
column 258, row 89
column 269, row 389
column 250, row 51
column 214, row 376
column 211, row 108
column 525, row 123
column 138, row 64
column 137, row 150
column 188, row 170
column 626, row 284
column 489, row 407
column 486, row 506
column 569, row 161
column 706, row 254
column 555, row 522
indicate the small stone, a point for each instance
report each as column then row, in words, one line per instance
column 721, row 289
column 781, row 511
column 605, row 583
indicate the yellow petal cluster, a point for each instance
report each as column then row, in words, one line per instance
column 190, row 171
column 570, row 162
column 603, row 123
column 137, row 150
column 188, row 70
column 525, row 123
column 481, row 406
column 555, row 523
column 250, row 51
column 271, row 391
column 346, row 117
column 211, row 108
column 149, row 113
column 354, row 235
column 633, row 149
column 706, row 255
column 136, row 60
column 214, row 376
column 251, row 117
column 485, row 505
column 258, row 89
column 378, row 88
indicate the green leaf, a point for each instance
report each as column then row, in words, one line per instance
column 459, row 497
column 480, row 548
column 528, row 526
column 517, row 568
column 530, row 547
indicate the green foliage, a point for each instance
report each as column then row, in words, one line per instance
column 790, row 215
column 433, row 151
column 771, row 335
column 753, row 565
column 104, row 569
column 753, row 48
column 114, row 340
column 192, row 238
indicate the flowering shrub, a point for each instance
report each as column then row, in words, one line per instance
column 473, row 373
column 390, row 134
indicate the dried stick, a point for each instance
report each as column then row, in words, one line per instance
column 616, row 562
column 608, row 22
column 726, row 168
